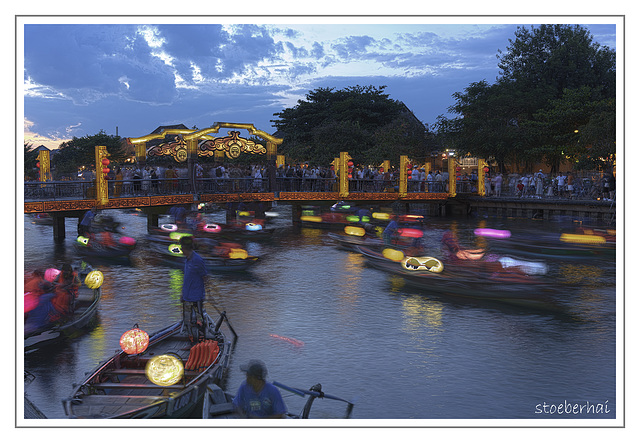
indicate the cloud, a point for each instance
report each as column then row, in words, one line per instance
column 139, row 76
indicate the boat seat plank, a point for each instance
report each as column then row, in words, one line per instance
column 131, row 371
column 119, row 400
column 108, row 385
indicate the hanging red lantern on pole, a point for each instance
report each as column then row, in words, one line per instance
column 38, row 165
column 105, row 162
column 486, row 169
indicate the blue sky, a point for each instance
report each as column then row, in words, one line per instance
column 138, row 74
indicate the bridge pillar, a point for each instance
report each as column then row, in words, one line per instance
column 152, row 221
column 58, row 228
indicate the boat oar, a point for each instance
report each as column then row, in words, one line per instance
column 224, row 315
column 316, row 394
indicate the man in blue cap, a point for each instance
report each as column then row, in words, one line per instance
column 256, row 398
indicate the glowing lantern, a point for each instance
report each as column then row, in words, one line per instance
column 485, row 169
column 350, row 163
column 238, row 253
column 128, row 241
column 94, row 279
column 493, row 233
column 311, row 218
column 105, row 161
column 244, row 214
column 38, row 165
column 175, row 249
column 411, row 233
column 211, row 227
column 169, row 227
column 393, row 254
column 253, row 227
column 583, row 239
column 354, row 230
column 82, row 240
column 51, row 274
column 179, row 235
column 105, row 170
column 134, row 341
column 381, row 215
column 164, row 370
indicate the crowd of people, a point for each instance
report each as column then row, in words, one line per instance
column 225, row 177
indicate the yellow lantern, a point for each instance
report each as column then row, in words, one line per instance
column 134, row 341
column 238, row 253
column 94, row 279
column 393, row 254
column 164, row 370
column 354, row 230
column 175, row 249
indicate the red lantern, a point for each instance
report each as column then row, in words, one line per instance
column 38, row 165
column 486, row 169
column 105, row 170
column 105, row 161
column 350, row 163
column 134, row 341
column 458, row 169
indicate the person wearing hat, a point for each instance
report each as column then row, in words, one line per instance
column 257, row 398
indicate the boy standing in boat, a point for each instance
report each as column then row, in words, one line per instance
column 193, row 292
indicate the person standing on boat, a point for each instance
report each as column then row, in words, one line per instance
column 257, row 398
column 84, row 227
column 390, row 230
column 193, row 292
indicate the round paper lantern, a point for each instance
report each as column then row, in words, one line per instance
column 169, row 227
column 212, row 227
column 393, row 254
column 105, row 161
column 485, row 169
column 51, row 274
column 134, row 341
column 179, row 235
column 129, row 241
column 94, row 279
column 493, row 233
column 175, row 249
column 164, row 370
column 410, row 232
column 82, row 240
column 253, row 227
column 238, row 253
column 38, row 165
column 105, row 170
column 354, row 230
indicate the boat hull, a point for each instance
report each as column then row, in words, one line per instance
column 120, row 388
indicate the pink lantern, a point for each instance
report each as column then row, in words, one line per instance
column 51, row 274
column 134, row 341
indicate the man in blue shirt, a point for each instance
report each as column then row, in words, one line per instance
column 256, row 398
column 193, row 292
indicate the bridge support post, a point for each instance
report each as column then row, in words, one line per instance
column 152, row 221
column 58, row 228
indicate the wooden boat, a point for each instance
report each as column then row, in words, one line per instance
column 217, row 403
column 171, row 256
column 121, row 387
column 85, row 312
column 478, row 280
column 567, row 245
column 122, row 247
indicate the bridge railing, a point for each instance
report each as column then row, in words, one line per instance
column 85, row 189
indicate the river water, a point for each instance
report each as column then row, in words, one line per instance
column 398, row 352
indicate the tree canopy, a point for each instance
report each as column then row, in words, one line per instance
column 80, row 151
column 362, row 120
column 553, row 102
